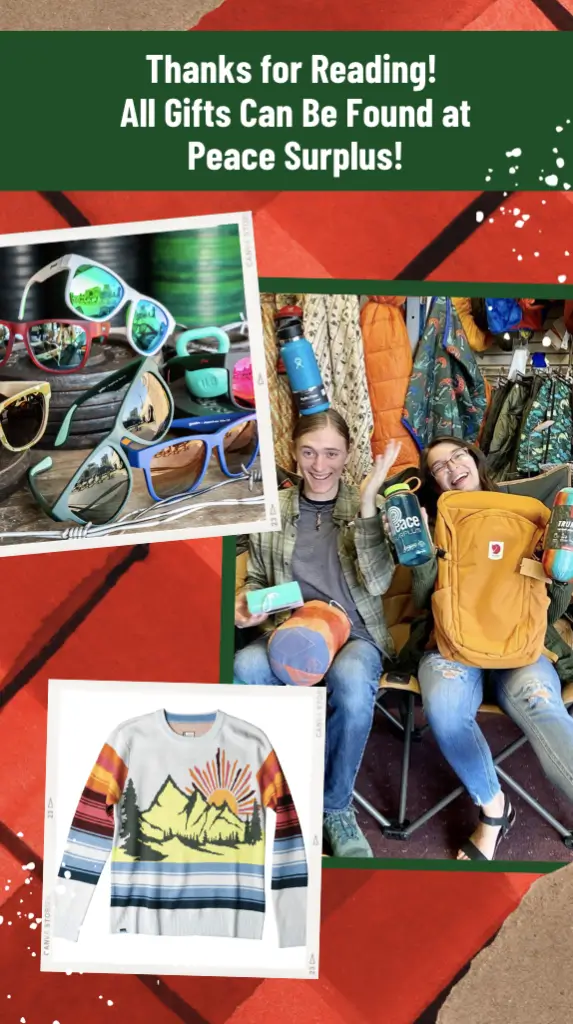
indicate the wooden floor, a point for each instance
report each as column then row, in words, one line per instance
column 19, row 512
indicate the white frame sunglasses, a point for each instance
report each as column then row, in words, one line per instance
column 71, row 263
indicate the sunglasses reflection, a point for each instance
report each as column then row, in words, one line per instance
column 95, row 292
column 102, row 488
column 56, row 345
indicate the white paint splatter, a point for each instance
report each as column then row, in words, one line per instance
column 552, row 180
column 562, row 278
column 559, row 128
column 566, row 186
column 555, row 150
column 519, row 223
column 513, row 170
column 67, row 874
column 566, row 253
column 513, row 152
column 516, row 211
column 488, row 177
column 479, row 216
column 19, row 834
column 27, row 881
column 491, row 220
column 536, row 254
column 560, row 161
column 520, row 258
column 110, row 1002
column 526, row 216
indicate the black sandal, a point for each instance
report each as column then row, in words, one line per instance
column 505, row 823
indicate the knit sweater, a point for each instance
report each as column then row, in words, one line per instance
column 180, row 802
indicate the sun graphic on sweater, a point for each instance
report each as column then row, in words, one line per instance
column 224, row 782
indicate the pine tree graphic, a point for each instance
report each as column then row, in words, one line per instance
column 255, row 830
column 130, row 831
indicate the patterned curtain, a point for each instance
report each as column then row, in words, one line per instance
column 332, row 325
column 283, row 412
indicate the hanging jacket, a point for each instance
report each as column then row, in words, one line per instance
column 552, row 446
column 506, row 431
column 388, row 359
column 479, row 341
column 447, row 394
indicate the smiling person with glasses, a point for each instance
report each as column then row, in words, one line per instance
column 452, row 692
column 333, row 544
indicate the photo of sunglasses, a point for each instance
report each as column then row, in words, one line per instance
column 24, row 407
column 93, row 292
column 178, row 466
column 55, row 346
column 100, row 487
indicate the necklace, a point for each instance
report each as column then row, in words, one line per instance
column 319, row 507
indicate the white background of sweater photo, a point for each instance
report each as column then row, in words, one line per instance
column 81, row 715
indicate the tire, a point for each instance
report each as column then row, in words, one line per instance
column 17, row 264
column 13, row 468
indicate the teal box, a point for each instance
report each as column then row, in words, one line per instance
column 274, row 599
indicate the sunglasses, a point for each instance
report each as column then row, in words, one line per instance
column 102, row 484
column 56, row 346
column 178, row 466
column 23, row 413
column 93, row 292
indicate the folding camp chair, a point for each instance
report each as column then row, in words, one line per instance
column 401, row 828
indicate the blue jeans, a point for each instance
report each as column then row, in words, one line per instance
column 531, row 696
column 352, row 684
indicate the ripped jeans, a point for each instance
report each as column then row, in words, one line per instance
column 531, row 696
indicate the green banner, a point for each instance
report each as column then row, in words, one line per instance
column 296, row 111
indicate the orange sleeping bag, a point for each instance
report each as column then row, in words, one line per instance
column 388, row 359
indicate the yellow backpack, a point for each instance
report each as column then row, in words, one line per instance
column 486, row 612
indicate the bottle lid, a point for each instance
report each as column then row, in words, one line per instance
column 396, row 487
column 286, row 311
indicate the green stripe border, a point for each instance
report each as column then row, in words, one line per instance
column 499, row 867
column 227, row 640
column 326, row 286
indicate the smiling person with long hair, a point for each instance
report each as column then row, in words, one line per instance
column 333, row 544
column 452, row 692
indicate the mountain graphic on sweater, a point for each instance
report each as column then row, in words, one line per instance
column 174, row 813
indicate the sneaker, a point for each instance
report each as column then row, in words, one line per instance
column 344, row 836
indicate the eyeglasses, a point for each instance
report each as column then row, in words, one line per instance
column 458, row 456
column 23, row 413
column 102, row 484
column 93, row 292
column 56, row 346
column 178, row 466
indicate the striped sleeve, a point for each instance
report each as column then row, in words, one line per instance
column 90, row 838
column 289, row 872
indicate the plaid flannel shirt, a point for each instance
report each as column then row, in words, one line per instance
column 365, row 557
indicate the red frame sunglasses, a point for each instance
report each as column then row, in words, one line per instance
column 20, row 331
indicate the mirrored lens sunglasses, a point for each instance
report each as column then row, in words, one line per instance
column 55, row 346
column 96, row 293
column 102, row 484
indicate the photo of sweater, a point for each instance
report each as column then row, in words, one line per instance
column 181, row 803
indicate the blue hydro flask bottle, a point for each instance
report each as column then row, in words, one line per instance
column 407, row 529
column 300, row 364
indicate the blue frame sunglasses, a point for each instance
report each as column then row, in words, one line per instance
column 178, row 466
